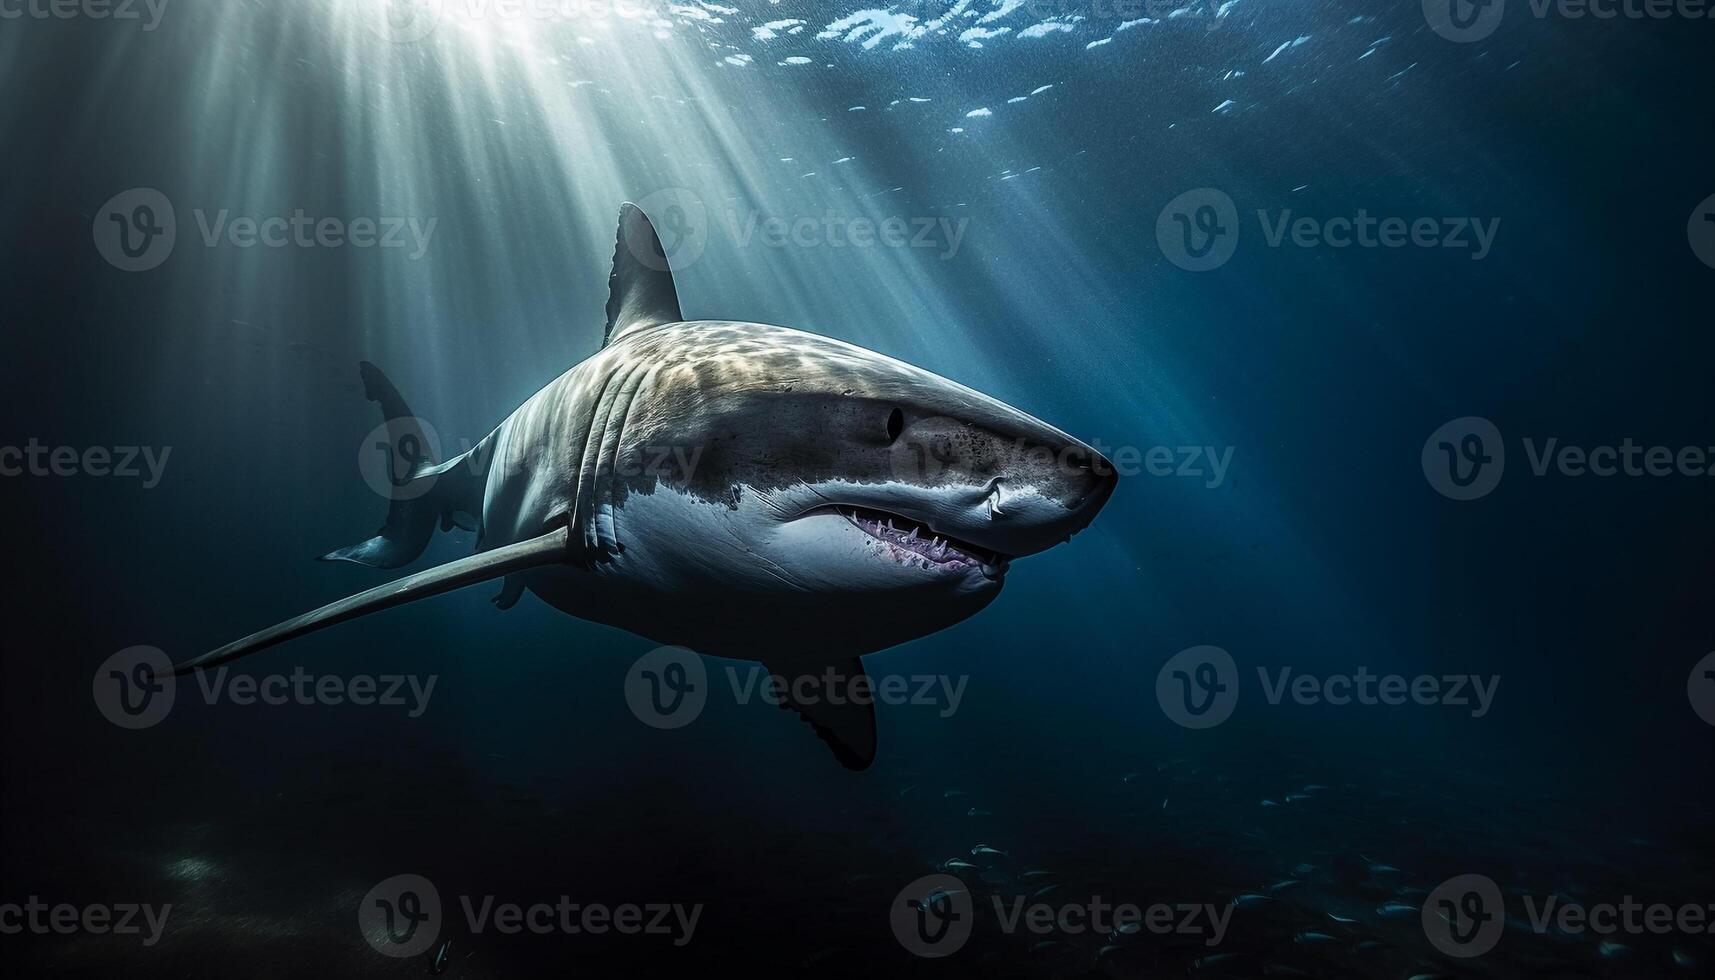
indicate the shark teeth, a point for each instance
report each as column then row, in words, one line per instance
column 911, row 543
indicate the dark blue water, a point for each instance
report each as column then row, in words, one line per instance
column 1324, row 547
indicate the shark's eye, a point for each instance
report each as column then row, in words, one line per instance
column 895, row 425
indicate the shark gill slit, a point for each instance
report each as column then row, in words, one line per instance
column 575, row 537
column 635, row 384
column 588, row 472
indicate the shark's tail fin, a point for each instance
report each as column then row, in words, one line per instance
column 422, row 491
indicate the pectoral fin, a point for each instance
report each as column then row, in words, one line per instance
column 837, row 702
column 549, row 549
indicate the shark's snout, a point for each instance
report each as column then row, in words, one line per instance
column 1007, row 483
column 1049, row 492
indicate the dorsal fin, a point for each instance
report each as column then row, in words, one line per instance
column 640, row 290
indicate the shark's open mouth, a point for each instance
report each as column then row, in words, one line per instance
column 910, row 542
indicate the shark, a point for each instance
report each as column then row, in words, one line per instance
column 739, row 489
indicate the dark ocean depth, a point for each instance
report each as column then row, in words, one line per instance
column 1099, row 208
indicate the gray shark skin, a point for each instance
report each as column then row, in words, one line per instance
column 744, row 490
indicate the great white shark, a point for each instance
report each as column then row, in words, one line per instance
column 743, row 490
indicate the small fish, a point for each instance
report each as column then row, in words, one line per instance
column 1108, row 950
column 1304, row 868
column 1035, row 875
column 983, row 850
column 956, row 864
column 1611, row 948
column 438, row 965
column 1250, row 900
column 1343, row 920
column 949, row 794
column 1269, row 803
column 1281, row 886
column 1308, row 938
column 1396, row 910
column 975, row 812
column 1125, row 929
column 1682, row 958
column 1040, row 892
column 1047, row 944
column 1383, row 869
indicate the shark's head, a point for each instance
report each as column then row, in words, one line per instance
column 835, row 485
column 798, row 489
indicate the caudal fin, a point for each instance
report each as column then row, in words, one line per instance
column 422, row 491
